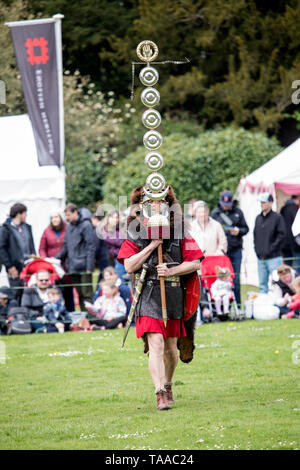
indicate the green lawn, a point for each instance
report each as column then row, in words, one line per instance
column 82, row 391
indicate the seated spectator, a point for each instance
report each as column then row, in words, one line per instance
column 281, row 287
column 109, row 309
column 7, row 301
column 207, row 232
column 221, row 290
column 34, row 298
column 294, row 305
column 55, row 313
column 110, row 274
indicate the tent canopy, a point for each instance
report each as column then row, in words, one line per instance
column 282, row 171
column 40, row 188
column 281, row 177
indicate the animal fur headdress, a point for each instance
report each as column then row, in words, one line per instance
column 136, row 199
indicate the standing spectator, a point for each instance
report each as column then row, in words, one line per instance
column 235, row 226
column 51, row 244
column 113, row 237
column 16, row 245
column 269, row 233
column 101, row 253
column 191, row 209
column 291, row 249
column 79, row 252
column 34, row 298
column 207, row 232
column 53, row 236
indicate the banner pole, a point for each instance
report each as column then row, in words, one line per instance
column 58, row 42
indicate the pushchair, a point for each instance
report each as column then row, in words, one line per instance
column 38, row 264
column 208, row 277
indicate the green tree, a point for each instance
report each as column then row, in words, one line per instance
column 86, row 31
column 15, row 103
column 197, row 167
column 243, row 55
column 94, row 137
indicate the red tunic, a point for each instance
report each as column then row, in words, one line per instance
column 175, row 328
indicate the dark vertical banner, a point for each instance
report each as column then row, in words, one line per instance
column 36, row 52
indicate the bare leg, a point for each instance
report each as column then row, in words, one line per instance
column 218, row 305
column 156, row 359
column 226, row 303
column 170, row 358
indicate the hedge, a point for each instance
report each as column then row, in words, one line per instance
column 197, row 167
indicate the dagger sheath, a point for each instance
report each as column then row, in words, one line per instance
column 136, row 296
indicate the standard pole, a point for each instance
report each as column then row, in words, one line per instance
column 58, row 44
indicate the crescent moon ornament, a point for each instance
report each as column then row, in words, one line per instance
column 147, row 51
column 156, row 196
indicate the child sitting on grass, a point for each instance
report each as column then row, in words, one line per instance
column 221, row 290
column 109, row 309
column 110, row 274
column 294, row 305
column 57, row 318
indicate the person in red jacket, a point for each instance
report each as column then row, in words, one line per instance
column 50, row 245
column 294, row 305
column 53, row 236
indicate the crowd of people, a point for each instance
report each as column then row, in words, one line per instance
column 83, row 242
column 76, row 241
column 222, row 232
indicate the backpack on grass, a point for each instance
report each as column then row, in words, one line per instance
column 18, row 321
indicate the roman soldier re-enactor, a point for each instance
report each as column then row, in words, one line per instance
column 181, row 257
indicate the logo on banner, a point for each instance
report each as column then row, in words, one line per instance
column 37, row 51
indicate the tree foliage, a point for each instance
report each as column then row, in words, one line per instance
column 244, row 55
column 15, row 104
column 197, row 167
column 94, row 137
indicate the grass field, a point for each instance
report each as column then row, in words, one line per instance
column 82, row 391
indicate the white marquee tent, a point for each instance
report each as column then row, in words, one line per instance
column 281, row 177
column 40, row 188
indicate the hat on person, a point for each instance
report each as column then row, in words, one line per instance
column 226, row 198
column 99, row 211
column 265, row 197
column 3, row 295
column 283, row 268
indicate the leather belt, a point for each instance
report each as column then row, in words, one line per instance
column 174, row 281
